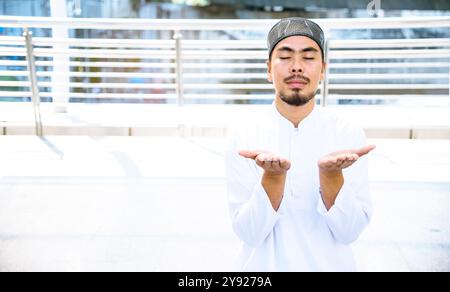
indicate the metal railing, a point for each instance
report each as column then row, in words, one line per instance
column 153, row 62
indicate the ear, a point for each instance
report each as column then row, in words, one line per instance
column 324, row 69
column 269, row 71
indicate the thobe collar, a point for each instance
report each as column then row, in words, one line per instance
column 284, row 123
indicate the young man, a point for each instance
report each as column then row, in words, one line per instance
column 297, row 176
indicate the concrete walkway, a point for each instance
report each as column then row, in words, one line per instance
column 209, row 120
column 159, row 204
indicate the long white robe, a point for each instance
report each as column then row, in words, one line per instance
column 302, row 235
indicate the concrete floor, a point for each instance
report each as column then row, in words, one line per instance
column 159, row 204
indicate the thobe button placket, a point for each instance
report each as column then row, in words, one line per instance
column 293, row 155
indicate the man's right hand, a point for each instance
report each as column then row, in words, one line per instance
column 275, row 173
column 271, row 163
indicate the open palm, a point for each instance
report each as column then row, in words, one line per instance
column 271, row 163
column 340, row 160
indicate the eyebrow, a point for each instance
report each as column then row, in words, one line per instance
column 290, row 50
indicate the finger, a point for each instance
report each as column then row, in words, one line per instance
column 285, row 164
column 275, row 166
column 352, row 157
column 364, row 150
column 259, row 163
column 267, row 165
column 249, row 154
column 276, row 160
column 347, row 164
column 276, row 163
column 260, row 159
column 339, row 163
column 341, row 159
column 266, row 158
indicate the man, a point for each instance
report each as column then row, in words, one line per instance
column 297, row 176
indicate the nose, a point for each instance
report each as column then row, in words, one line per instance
column 297, row 67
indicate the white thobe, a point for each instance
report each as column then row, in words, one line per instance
column 302, row 235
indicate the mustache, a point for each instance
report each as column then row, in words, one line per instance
column 297, row 77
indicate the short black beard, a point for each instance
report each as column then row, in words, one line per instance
column 297, row 99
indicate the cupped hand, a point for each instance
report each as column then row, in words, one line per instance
column 337, row 161
column 271, row 163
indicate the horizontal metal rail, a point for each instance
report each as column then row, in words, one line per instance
column 208, row 24
column 214, row 69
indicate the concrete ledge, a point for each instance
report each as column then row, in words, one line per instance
column 167, row 131
column 413, row 133
column 179, row 131
column 431, row 133
column 384, row 133
column 202, row 131
column 85, row 131
column 210, row 120
column 18, row 130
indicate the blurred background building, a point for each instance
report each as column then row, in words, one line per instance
column 228, row 9
column 212, row 9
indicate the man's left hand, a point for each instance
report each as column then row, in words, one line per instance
column 337, row 161
column 330, row 171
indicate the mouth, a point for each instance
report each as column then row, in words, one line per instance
column 297, row 81
column 297, row 84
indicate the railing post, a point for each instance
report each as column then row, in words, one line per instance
column 28, row 35
column 60, row 78
column 179, row 67
column 327, row 73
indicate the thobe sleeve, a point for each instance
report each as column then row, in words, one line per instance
column 352, row 210
column 252, row 215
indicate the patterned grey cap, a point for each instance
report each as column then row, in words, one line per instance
column 295, row 26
